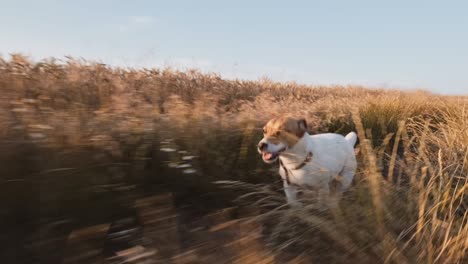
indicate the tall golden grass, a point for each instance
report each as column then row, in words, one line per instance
column 409, row 200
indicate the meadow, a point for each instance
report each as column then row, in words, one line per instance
column 81, row 143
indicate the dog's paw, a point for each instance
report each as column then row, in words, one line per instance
column 295, row 204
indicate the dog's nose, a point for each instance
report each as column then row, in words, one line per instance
column 262, row 145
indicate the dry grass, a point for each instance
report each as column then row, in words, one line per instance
column 409, row 200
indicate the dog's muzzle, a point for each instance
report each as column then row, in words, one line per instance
column 268, row 156
column 262, row 146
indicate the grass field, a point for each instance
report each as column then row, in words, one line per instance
column 81, row 141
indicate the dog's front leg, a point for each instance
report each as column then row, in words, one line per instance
column 291, row 194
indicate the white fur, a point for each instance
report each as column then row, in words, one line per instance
column 333, row 158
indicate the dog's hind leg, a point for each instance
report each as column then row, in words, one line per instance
column 323, row 196
column 347, row 175
column 348, row 172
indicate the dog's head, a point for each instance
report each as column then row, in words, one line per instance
column 280, row 134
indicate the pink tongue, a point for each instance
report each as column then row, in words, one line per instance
column 267, row 155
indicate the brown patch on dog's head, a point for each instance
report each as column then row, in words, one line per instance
column 285, row 129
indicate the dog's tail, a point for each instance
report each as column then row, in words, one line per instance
column 351, row 138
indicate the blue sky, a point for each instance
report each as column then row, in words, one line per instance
column 397, row 44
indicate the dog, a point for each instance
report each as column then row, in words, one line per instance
column 308, row 160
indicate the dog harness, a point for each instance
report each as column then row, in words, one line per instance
column 286, row 171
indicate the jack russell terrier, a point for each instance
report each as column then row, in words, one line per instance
column 308, row 160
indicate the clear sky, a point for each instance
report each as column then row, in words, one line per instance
column 398, row 44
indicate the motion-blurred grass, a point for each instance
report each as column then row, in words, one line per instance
column 80, row 141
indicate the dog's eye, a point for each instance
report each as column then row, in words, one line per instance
column 277, row 133
column 264, row 131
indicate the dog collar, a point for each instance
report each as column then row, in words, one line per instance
column 303, row 163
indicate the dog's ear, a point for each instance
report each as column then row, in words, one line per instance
column 302, row 125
